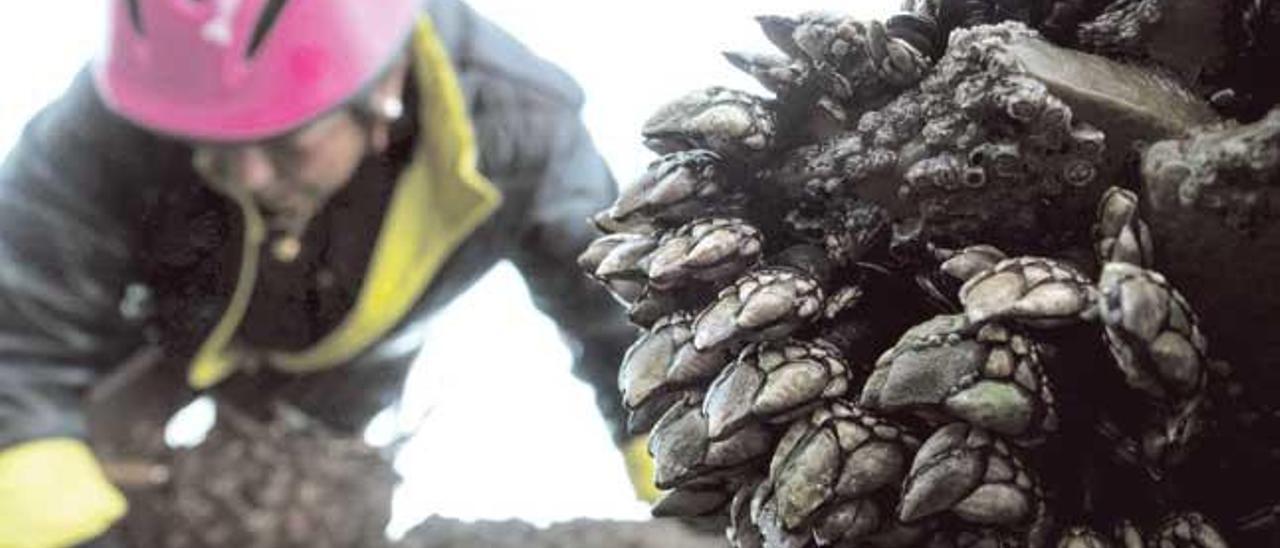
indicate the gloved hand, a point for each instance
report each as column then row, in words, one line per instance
column 53, row 493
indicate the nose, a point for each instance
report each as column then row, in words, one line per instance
column 251, row 167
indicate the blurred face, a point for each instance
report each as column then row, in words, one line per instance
column 290, row 177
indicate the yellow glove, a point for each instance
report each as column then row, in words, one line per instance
column 53, row 493
column 640, row 468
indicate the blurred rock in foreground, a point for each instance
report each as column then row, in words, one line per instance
column 439, row 532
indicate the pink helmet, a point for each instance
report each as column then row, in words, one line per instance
column 235, row 70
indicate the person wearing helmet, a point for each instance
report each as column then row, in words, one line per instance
column 277, row 193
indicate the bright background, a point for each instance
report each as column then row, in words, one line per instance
column 507, row 431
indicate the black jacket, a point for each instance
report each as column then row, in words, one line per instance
column 109, row 241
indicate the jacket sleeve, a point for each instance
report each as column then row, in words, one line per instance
column 575, row 184
column 64, row 265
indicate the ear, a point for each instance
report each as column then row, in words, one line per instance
column 385, row 99
column 391, row 84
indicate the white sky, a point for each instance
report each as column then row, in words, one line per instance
column 510, row 433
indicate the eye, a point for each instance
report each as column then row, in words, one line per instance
column 313, row 133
